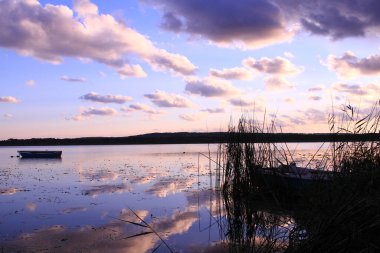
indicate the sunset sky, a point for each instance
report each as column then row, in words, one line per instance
column 118, row 68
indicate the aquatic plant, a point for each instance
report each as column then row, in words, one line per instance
column 341, row 214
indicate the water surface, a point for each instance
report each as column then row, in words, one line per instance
column 138, row 198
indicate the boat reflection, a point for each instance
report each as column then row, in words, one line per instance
column 39, row 160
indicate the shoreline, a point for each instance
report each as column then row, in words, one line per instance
column 193, row 138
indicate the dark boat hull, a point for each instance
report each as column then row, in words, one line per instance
column 40, row 154
column 274, row 182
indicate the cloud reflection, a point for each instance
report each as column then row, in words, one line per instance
column 104, row 189
column 73, row 209
column 168, row 186
column 9, row 191
column 115, row 236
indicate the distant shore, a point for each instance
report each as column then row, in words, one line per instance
column 192, row 138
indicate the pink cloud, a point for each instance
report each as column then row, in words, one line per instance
column 52, row 32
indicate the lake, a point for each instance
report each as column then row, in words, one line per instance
column 137, row 198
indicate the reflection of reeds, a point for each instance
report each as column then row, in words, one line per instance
column 337, row 215
column 250, row 228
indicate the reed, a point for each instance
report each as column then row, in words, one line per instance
column 337, row 215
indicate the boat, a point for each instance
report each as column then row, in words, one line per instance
column 290, row 179
column 40, row 154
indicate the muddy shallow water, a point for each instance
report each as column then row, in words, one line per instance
column 140, row 198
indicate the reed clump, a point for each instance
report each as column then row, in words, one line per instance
column 341, row 214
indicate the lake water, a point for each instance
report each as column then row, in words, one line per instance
column 140, row 198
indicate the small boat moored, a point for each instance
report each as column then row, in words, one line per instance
column 39, row 154
column 290, row 180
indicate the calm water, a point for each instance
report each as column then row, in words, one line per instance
column 139, row 198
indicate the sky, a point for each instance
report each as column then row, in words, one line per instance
column 118, row 68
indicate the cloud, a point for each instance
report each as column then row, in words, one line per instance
column 277, row 83
column 288, row 55
column 349, row 66
column 242, row 102
column 166, row 186
column 190, row 117
column 316, row 88
column 131, row 71
column 52, row 32
column 315, row 115
column 245, row 23
column 289, row 100
column 258, row 23
column 364, row 95
column 232, row 73
column 107, row 237
column 101, row 175
column 88, row 112
column 126, row 109
column 9, row 99
column 178, row 223
column 118, row 99
column 315, row 98
column 256, row 104
column 163, row 99
column 73, row 79
column 305, row 117
column 31, row 207
column 144, row 108
column 356, row 89
column 97, row 190
column 7, row 116
column 291, row 120
column 275, row 66
column 216, row 110
column 210, row 87
column 30, row 83
column 9, row 191
column 70, row 210
column 336, row 19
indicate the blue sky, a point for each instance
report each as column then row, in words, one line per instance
column 117, row 68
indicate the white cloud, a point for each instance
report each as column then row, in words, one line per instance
column 316, row 88
column 350, row 66
column 144, row 108
column 277, row 83
column 289, row 100
column 9, row 99
column 315, row 98
column 73, row 79
column 89, row 112
column 276, row 66
column 131, row 71
column 370, row 89
column 190, row 117
column 288, row 55
column 256, row 104
column 30, row 83
column 216, row 110
column 118, row 99
column 211, row 87
column 232, row 73
column 242, row 102
column 7, row 115
column 52, row 32
column 163, row 99
column 354, row 89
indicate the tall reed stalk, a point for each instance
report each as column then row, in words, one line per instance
column 338, row 215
